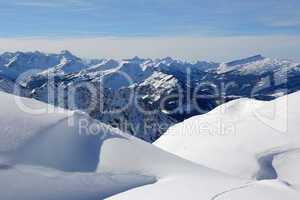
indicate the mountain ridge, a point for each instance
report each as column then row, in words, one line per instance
column 171, row 89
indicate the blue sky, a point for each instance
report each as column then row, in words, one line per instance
column 149, row 18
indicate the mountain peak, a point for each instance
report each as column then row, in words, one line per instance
column 68, row 55
column 246, row 60
column 168, row 59
column 66, row 52
column 135, row 59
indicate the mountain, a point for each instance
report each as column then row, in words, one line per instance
column 240, row 64
column 14, row 64
column 257, row 65
column 139, row 90
column 103, row 65
column 238, row 138
column 245, row 135
column 144, row 97
column 259, row 77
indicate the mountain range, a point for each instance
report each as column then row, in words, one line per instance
column 144, row 97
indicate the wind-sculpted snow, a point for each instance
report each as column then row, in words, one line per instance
column 256, row 150
column 238, row 134
column 287, row 167
column 245, row 138
column 34, row 133
column 51, row 157
column 53, row 154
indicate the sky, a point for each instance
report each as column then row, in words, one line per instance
column 187, row 29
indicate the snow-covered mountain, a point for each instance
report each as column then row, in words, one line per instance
column 172, row 90
column 245, row 135
column 50, row 156
column 257, row 65
column 241, row 138
column 14, row 64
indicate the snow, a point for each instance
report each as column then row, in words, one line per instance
column 32, row 183
column 234, row 133
column 127, row 74
column 247, row 154
column 42, row 156
column 161, row 84
column 104, row 65
column 14, row 64
column 262, row 190
column 254, row 149
column 258, row 65
column 287, row 166
column 244, row 149
column 172, row 173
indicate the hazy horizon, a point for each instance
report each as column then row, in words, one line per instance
column 207, row 30
column 218, row 49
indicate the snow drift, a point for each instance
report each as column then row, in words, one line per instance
column 43, row 156
column 50, row 156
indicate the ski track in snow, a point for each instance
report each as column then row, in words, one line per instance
column 215, row 197
column 266, row 172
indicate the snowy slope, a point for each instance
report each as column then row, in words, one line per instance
column 43, row 157
column 287, row 167
column 104, row 65
column 172, row 173
column 242, row 136
column 248, row 154
column 257, row 65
